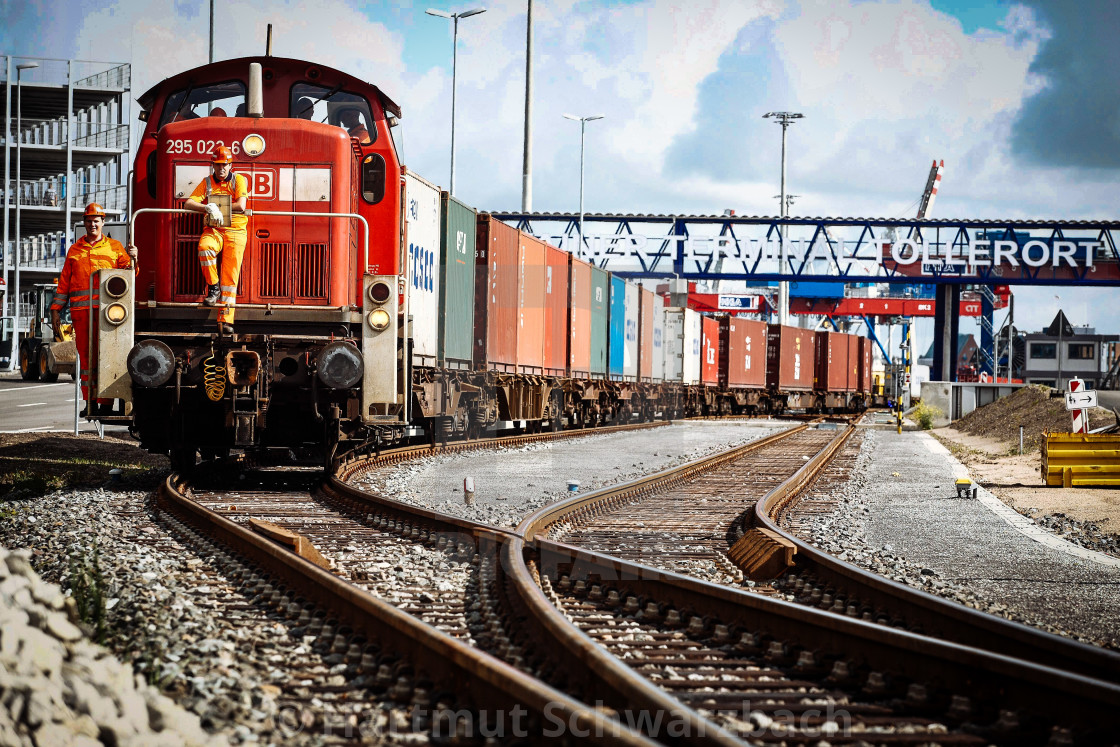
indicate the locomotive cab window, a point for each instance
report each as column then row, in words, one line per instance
column 334, row 106
column 210, row 100
column 373, row 178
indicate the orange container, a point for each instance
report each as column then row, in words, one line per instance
column 495, row 303
column 530, row 305
column 555, row 311
column 709, row 350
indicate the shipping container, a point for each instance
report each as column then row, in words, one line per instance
column 658, row 357
column 422, row 225
column 630, row 350
column 600, row 321
column 832, row 370
column 495, row 305
column 555, row 311
column 682, row 345
column 646, row 300
column 853, row 363
column 579, row 315
column 616, row 334
column 864, row 365
column 746, row 354
column 709, row 349
column 789, row 358
column 530, row 305
column 456, row 282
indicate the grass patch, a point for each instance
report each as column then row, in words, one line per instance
column 924, row 415
column 32, row 465
column 87, row 588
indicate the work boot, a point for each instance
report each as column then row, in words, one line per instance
column 213, row 293
column 225, row 329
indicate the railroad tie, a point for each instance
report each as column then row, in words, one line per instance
column 762, row 553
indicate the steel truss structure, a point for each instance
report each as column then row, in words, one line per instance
column 849, row 250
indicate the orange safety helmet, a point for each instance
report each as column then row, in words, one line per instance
column 222, row 154
column 94, row 210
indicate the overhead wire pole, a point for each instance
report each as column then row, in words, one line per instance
column 784, row 119
column 454, row 64
column 582, row 129
column 527, row 159
column 211, row 31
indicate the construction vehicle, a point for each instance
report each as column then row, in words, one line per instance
column 42, row 357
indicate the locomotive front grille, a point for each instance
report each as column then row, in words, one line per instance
column 276, row 265
column 312, row 270
column 188, row 272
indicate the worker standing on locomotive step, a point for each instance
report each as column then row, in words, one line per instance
column 229, row 241
column 87, row 255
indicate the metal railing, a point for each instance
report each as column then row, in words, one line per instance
column 103, row 136
column 86, row 73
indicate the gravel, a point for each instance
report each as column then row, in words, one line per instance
column 57, row 688
column 180, row 624
column 510, row 483
column 899, row 516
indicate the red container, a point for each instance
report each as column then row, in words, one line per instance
column 864, row 345
column 833, row 369
column 647, row 299
column 530, row 305
column 579, row 305
column 495, row 302
column 555, row 311
column 789, row 358
column 746, row 353
column 709, row 350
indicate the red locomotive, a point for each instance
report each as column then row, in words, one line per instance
column 371, row 306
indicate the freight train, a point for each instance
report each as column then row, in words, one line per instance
column 373, row 307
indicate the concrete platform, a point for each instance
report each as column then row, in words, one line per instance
column 981, row 543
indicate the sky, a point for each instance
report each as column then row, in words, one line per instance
column 1018, row 98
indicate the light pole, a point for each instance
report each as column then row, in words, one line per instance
column 784, row 119
column 19, row 197
column 454, row 62
column 582, row 128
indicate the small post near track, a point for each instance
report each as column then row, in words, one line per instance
column 1076, row 399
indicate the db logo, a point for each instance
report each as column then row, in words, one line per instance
column 262, row 184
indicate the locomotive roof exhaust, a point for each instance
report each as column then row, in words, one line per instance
column 256, row 91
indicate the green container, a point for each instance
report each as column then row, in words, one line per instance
column 600, row 316
column 456, row 288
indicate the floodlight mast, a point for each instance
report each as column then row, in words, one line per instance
column 784, row 119
column 454, row 65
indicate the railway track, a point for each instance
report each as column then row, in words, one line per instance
column 706, row 662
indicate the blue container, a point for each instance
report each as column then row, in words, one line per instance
column 803, row 289
column 616, row 350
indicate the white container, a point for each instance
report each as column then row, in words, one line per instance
column 422, row 226
column 630, row 354
column 658, row 363
column 682, row 345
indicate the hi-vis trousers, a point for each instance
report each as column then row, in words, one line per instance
column 230, row 243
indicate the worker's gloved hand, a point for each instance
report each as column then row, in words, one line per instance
column 213, row 215
column 57, row 327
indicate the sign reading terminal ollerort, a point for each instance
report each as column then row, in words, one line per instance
column 939, row 256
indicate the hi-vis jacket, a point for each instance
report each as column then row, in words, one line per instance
column 82, row 260
column 236, row 186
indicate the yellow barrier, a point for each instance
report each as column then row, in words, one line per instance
column 1070, row 459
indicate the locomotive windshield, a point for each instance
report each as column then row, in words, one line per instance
column 211, row 100
column 334, row 106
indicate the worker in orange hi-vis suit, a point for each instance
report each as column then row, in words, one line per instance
column 229, row 241
column 90, row 253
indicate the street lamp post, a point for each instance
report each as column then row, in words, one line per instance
column 582, row 128
column 784, row 119
column 454, row 63
column 19, row 197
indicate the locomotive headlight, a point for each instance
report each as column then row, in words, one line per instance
column 253, row 145
column 378, row 319
column 151, row 363
column 340, row 365
column 116, row 313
